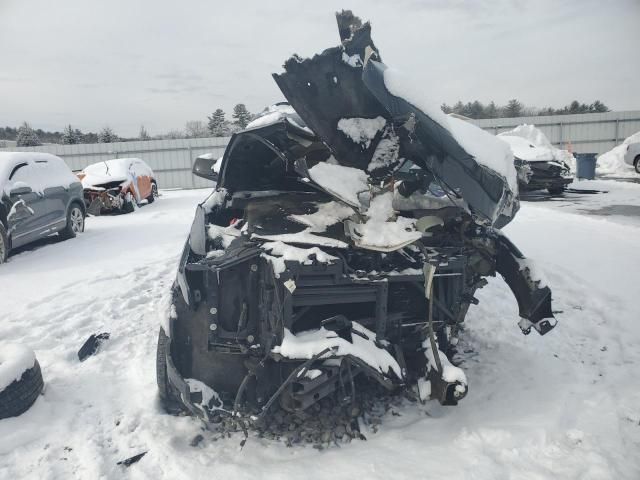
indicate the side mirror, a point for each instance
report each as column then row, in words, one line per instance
column 20, row 190
column 203, row 167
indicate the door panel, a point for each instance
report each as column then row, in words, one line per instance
column 28, row 218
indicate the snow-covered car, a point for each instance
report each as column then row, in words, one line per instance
column 538, row 169
column 118, row 185
column 39, row 196
column 341, row 248
column 632, row 155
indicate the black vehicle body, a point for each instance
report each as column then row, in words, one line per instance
column 266, row 310
column 551, row 175
column 40, row 196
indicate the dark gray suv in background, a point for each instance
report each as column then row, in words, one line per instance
column 39, row 196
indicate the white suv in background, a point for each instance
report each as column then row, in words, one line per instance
column 632, row 157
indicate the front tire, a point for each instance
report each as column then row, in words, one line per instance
column 75, row 222
column 168, row 398
column 154, row 193
column 555, row 190
column 636, row 164
column 4, row 244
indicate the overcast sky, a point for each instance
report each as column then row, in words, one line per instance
column 124, row 63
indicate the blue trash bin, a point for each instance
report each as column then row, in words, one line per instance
column 586, row 165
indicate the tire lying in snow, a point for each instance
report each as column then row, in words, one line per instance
column 20, row 380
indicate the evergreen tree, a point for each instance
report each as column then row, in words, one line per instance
column 446, row 108
column 513, row 108
column 574, row 107
column 599, row 107
column 26, row 137
column 106, row 135
column 217, row 124
column 241, row 115
column 476, row 110
column 71, row 136
column 491, row 110
column 458, row 108
column 143, row 135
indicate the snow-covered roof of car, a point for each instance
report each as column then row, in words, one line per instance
column 116, row 169
column 62, row 176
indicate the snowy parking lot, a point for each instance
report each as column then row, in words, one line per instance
column 566, row 405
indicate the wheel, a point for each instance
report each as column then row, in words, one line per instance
column 18, row 396
column 168, row 397
column 636, row 164
column 75, row 222
column 4, row 244
column 154, row 193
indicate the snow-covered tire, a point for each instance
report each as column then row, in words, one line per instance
column 636, row 164
column 154, row 193
column 75, row 221
column 4, row 244
column 20, row 380
column 168, row 397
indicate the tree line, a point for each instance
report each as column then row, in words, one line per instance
column 515, row 108
column 217, row 124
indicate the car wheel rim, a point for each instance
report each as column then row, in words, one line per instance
column 77, row 220
column 154, row 190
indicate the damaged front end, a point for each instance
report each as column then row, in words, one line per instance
column 110, row 197
column 343, row 244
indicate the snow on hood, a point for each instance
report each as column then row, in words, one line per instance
column 361, row 130
column 328, row 214
column 382, row 231
column 116, row 170
column 41, row 175
column 525, row 150
column 343, row 182
column 483, row 146
column 538, row 139
column 612, row 162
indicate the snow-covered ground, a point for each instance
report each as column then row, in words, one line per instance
column 566, row 405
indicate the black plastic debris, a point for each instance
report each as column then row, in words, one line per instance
column 131, row 460
column 92, row 344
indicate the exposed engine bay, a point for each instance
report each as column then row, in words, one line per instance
column 344, row 243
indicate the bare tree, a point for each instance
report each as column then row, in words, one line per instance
column 196, row 129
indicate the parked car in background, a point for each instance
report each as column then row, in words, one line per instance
column 39, row 196
column 537, row 167
column 118, row 185
column 632, row 156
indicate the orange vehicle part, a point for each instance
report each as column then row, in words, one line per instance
column 143, row 187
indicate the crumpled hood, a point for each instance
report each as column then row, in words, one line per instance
column 343, row 93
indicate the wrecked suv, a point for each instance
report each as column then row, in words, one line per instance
column 342, row 246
